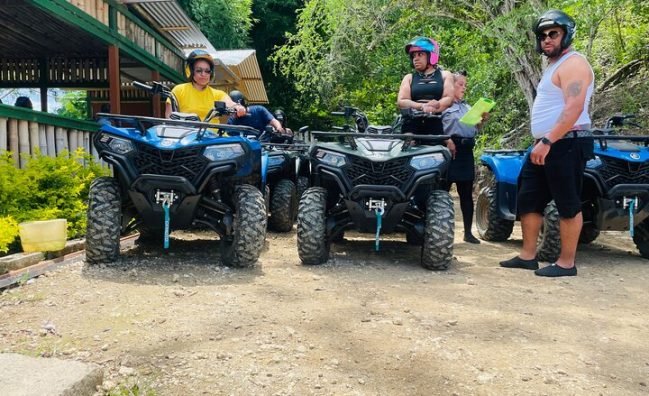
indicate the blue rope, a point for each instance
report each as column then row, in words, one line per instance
column 165, row 206
column 379, row 216
column 631, row 209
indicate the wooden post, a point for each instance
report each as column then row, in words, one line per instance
column 51, row 141
column 44, row 99
column 33, row 137
column 72, row 140
column 3, row 134
column 42, row 138
column 61, row 140
column 23, row 141
column 13, row 140
column 155, row 99
column 114, row 81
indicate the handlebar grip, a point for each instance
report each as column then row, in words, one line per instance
column 338, row 113
column 140, row 85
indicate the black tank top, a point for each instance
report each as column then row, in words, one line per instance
column 425, row 88
column 428, row 87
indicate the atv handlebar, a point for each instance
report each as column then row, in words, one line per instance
column 157, row 88
column 412, row 113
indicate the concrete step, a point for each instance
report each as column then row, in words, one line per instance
column 22, row 375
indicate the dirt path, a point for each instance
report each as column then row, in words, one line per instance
column 362, row 324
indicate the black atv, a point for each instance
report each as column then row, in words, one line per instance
column 377, row 183
column 283, row 156
column 177, row 173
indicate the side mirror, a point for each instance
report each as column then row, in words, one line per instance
column 303, row 129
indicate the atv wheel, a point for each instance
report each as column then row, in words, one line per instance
column 283, row 206
column 641, row 238
column 437, row 248
column 588, row 234
column 302, row 185
column 312, row 245
column 249, row 228
column 104, row 221
column 549, row 243
column 491, row 227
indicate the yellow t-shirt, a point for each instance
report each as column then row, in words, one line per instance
column 191, row 100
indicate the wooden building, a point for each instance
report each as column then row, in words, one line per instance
column 100, row 46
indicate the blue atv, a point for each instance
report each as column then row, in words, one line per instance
column 615, row 195
column 177, row 174
column 285, row 178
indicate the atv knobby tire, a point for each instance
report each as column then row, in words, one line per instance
column 312, row 244
column 491, row 227
column 549, row 242
column 104, row 221
column 283, row 206
column 641, row 238
column 439, row 232
column 588, row 234
column 249, row 229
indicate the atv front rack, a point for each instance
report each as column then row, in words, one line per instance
column 603, row 139
column 407, row 137
column 141, row 122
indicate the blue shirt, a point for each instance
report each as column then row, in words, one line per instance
column 257, row 117
column 451, row 120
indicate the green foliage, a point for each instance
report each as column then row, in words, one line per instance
column 74, row 104
column 351, row 53
column 226, row 24
column 48, row 188
column 273, row 20
column 8, row 232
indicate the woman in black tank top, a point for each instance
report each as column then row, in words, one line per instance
column 427, row 89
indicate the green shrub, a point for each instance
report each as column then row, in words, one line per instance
column 8, row 232
column 48, row 188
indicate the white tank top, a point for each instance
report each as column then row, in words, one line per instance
column 549, row 102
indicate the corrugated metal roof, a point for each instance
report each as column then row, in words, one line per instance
column 235, row 68
column 243, row 62
column 171, row 19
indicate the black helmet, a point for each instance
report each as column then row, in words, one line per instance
column 280, row 116
column 192, row 58
column 554, row 18
column 238, row 97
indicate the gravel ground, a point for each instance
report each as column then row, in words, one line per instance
column 364, row 323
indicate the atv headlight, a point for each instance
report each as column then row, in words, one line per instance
column 120, row 146
column 275, row 160
column 331, row 158
column 427, row 161
column 223, row 152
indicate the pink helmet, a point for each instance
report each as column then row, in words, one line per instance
column 424, row 44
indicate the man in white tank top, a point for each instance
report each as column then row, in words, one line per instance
column 555, row 167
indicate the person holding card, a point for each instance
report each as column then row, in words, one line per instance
column 462, row 168
column 554, row 170
column 427, row 89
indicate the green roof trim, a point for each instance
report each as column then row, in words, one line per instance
column 7, row 111
column 77, row 17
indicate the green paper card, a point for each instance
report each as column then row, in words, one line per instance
column 474, row 116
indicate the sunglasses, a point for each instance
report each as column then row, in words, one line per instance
column 198, row 70
column 552, row 34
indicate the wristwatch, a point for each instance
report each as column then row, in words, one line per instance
column 546, row 141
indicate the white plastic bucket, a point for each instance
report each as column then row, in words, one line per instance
column 43, row 236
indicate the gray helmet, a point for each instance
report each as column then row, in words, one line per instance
column 238, row 97
column 553, row 18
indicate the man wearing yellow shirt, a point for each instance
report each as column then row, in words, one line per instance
column 196, row 96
